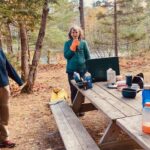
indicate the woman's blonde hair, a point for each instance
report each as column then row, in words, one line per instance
column 76, row 28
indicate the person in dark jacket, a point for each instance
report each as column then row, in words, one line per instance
column 6, row 70
column 76, row 52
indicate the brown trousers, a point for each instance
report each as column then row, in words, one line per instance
column 4, row 112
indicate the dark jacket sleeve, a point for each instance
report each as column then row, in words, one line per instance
column 13, row 74
column 68, row 54
column 7, row 70
column 3, row 75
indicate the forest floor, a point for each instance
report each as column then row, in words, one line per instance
column 32, row 125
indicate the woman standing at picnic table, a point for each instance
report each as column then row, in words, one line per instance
column 76, row 52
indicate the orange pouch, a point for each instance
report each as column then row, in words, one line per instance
column 74, row 44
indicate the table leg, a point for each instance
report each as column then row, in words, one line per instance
column 111, row 139
column 79, row 99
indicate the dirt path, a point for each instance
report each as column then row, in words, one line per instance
column 33, row 127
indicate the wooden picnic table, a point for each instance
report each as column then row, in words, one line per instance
column 124, row 114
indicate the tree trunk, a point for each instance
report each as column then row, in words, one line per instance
column 81, row 10
column 115, row 28
column 9, row 39
column 0, row 40
column 48, row 56
column 24, row 52
column 29, row 56
column 33, row 70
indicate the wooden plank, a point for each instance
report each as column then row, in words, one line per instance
column 101, row 104
column 134, row 103
column 82, row 135
column 73, row 133
column 121, row 106
column 69, row 138
column 132, row 126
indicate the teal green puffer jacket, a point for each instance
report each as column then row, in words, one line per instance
column 76, row 60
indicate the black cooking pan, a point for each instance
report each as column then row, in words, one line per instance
column 129, row 93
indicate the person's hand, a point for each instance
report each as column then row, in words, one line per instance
column 74, row 44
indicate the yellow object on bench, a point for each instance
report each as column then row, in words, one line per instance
column 58, row 94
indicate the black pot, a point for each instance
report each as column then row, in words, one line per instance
column 129, row 93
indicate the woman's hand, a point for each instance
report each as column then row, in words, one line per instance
column 74, row 45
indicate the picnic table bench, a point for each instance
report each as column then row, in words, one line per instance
column 73, row 133
column 124, row 114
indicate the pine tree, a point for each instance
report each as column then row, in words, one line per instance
column 130, row 22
